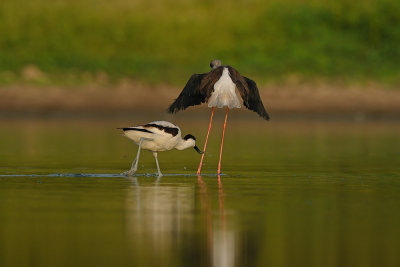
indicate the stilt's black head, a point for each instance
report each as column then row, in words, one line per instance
column 215, row 63
column 189, row 136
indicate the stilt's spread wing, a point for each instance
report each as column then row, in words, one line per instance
column 197, row 90
column 253, row 100
column 191, row 95
column 249, row 92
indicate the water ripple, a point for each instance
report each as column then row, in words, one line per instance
column 107, row 175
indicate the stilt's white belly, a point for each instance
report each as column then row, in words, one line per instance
column 224, row 92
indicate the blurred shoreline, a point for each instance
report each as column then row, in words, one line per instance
column 284, row 101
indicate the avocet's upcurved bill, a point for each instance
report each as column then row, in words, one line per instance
column 217, row 88
column 158, row 136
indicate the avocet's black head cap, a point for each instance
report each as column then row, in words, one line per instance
column 215, row 63
column 189, row 136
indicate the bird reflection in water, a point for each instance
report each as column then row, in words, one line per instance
column 164, row 224
column 157, row 219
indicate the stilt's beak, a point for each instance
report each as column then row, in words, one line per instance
column 198, row 150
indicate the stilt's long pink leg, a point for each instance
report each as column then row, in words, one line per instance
column 222, row 142
column 205, row 144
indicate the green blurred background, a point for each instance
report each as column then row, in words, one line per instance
column 163, row 41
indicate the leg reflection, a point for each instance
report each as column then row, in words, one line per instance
column 220, row 233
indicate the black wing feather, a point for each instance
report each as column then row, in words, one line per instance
column 252, row 99
column 135, row 129
column 191, row 95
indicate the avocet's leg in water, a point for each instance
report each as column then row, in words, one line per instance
column 158, row 166
column 136, row 160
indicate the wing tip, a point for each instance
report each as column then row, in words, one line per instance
column 123, row 128
column 265, row 116
column 175, row 108
column 172, row 110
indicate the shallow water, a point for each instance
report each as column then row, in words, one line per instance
column 305, row 193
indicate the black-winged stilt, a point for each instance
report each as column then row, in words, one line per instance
column 218, row 89
column 157, row 136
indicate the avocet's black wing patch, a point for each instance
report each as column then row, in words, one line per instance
column 136, row 129
column 171, row 130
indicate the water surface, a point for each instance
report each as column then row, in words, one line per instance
column 305, row 193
